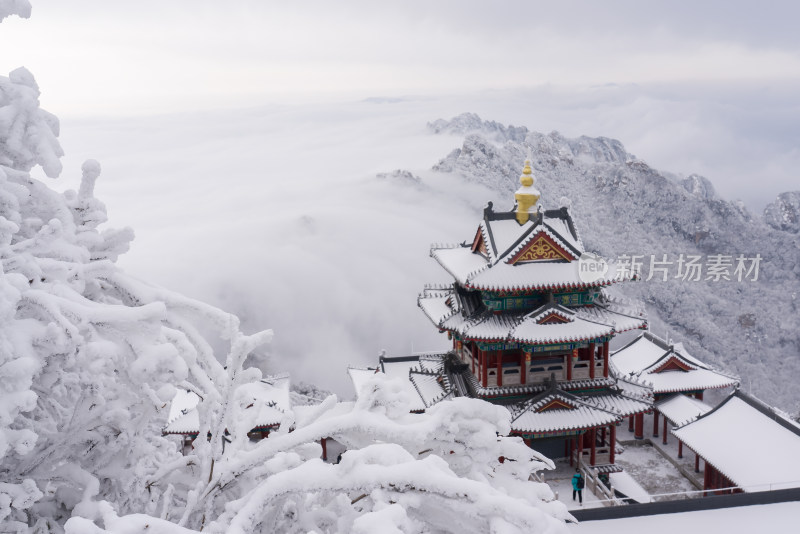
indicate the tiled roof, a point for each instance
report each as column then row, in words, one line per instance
column 603, row 319
column 748, row 442
column 504, row 237
column 583, row 415
column 267, row 403
column 643, row 357
column 681, row 409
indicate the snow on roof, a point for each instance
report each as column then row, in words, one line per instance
column 429, row 386
column 626, row 484
column 435, row 305
column 505, row 238
column 360, row 375
column 268, row 399
column 561, row 227
column 506, row 233
column 460, row 261
column 399, row 368
column 644, row 357
column 681, row 408
column 584, row 323
column 182, row 402
column 529, row 331
column 748, row 442
column 583, row 415
column 536, row 275
column 304, row 413
column 619, row 403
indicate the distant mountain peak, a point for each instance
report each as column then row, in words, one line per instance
column 784, row 213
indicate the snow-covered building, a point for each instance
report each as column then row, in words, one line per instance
column 670, row 370
column 530, row 322
column 266, row 403
column 747, row 446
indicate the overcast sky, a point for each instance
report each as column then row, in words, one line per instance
column 154, row 55
column 241, row 139
column 706, row 87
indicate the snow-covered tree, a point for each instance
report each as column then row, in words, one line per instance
column 90, row 358
column 443, row 471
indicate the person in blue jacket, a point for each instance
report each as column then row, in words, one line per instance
column 577, row 485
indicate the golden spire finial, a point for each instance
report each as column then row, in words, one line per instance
column 526, row 196
column 527, row 175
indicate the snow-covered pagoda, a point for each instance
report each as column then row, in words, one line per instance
column 673, row 374
column 531, row 319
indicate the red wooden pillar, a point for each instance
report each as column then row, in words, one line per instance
column 499, row 356
column 655, row 423
column 630, row 424
column 570, row 357
column 696, row 463
column 591, row 360
column 484, row 367
column 605, row 359
column 699, row 396
column 706, row 480
column 580, row 448
column 680, row 449
column 639, row 427
column 613, row 444
column 665, row 431
column 593, row 453
column 524, row 358
column 324, row 443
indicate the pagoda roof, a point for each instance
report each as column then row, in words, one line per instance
column 669, row 368
column 446, row 308
column 267, row 403
column 422, row 378
column 429, row 380
column 750, row 443
column 559, row 411
column 495, row 261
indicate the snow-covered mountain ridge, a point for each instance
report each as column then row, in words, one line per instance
column 623, row 206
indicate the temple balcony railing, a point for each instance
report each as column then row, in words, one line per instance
column 602, row 455
column 538, row 374
column 580, row 370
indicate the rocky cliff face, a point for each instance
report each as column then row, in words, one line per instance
column 623, row 206
column 784, row 213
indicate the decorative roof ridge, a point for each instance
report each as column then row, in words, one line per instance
column 664, row 358
column 488, row 239
column 551, row 307
column 446, row 246
column 571, row 224
column 438, row 287
column 431, row 355
column 600, row 403
column 574, row 249
column 535, row 220
column 635, row 381
column 767, row 410
column 631, row 343
column 529, row 236
column 658, row 341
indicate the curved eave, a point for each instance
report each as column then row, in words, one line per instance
column 687, row 390
column 536, row 287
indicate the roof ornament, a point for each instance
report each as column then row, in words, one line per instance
column 526, row 196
